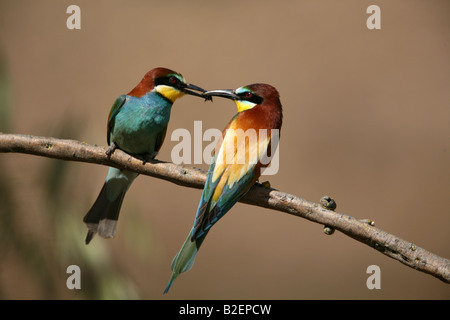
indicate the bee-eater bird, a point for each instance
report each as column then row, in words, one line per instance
column 235, row 167
column 137, row 124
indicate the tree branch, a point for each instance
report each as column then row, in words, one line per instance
column 388, row 244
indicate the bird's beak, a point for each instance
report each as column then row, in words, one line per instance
column 188, row 86
column 227, row 93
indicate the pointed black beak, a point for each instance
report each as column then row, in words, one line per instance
column 226, row 93
column 188, row 86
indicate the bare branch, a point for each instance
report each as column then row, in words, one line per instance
column 388, row 244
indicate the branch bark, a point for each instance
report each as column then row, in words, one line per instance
column 386, row 243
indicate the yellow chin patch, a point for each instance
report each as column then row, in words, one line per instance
column 244, row 105
column 169, row 92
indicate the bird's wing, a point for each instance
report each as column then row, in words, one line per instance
column 120, row 101
column 160, row 139
column 228, row 181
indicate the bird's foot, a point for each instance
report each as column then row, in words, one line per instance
column 146, row 158
column 111, row 149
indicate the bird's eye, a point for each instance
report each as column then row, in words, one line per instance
column 173, row 80
column 248, row 95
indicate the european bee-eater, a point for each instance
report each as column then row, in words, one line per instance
column 235, row 167
column 137, row 124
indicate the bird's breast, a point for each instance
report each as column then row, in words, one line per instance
column 139, row 124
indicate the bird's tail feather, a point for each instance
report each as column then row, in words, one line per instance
column 103, row 215
column 185, row 258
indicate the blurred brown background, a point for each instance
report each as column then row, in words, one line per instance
column 366, row 121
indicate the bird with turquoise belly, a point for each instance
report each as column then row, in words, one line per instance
column 137, row 124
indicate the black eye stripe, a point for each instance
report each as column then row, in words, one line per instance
column 170, row 81
column 253, row 98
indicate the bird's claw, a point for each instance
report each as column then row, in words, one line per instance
column 111, row 149
column 145, row 158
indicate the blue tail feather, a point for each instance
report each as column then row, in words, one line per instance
column 185, row 258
